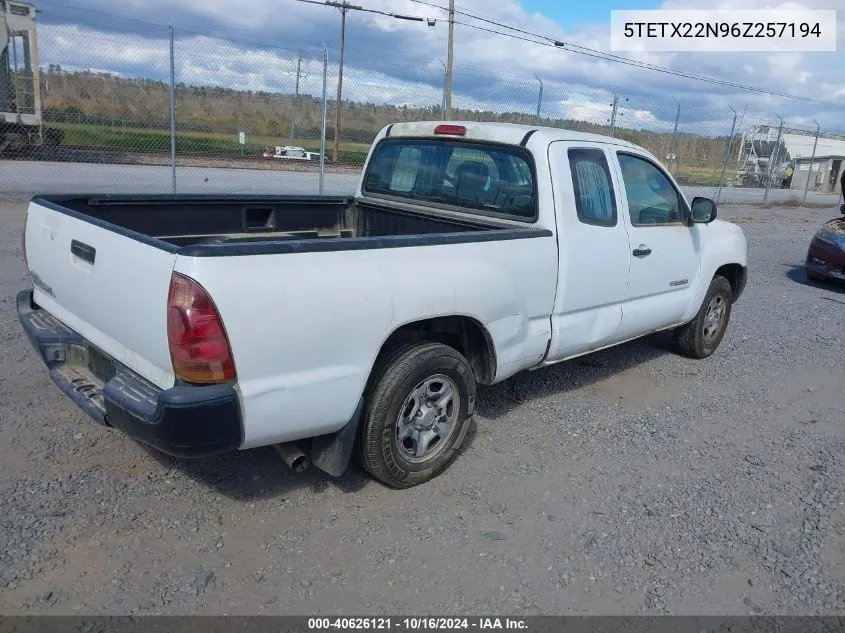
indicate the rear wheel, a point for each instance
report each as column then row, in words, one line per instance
column 700, row 337
column 419, row 404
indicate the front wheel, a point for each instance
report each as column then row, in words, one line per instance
column 418, row 409
column 700, row 337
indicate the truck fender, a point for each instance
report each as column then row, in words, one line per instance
column 723, row 245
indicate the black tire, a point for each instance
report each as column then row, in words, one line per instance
column 395, row 378
column 693, row 339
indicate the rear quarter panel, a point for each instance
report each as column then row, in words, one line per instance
column 305, row 328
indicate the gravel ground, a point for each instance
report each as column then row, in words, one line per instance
column 631, row 481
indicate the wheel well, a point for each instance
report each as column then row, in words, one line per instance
column 464, row 334
column 736, row 276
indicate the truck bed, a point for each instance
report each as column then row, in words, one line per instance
column 230, row 225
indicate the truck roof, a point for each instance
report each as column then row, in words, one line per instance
column 510, row 133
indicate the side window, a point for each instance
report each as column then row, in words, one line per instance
column 652, row 199
column 595, row 201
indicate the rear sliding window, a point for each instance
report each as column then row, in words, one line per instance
column 488, row 179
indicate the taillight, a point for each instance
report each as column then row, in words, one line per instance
column 23, row 241
column 199, row 348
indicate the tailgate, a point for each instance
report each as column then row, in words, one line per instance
column 107, row 284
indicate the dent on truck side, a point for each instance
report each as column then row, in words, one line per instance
column 722, row 244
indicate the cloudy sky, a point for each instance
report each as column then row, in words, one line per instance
column 252, row 44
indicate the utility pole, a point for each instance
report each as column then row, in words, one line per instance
column 615, row 105
column 728, row 144
column 450, row 60
column 344, row 8
column 443, row 99
column 674, row 133
column 172, row 112
column 295, row 96
column 323, row 123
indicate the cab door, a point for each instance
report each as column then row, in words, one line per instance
column 594, row 256
column 665, row 249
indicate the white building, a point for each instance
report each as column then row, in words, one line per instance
column 759, row 145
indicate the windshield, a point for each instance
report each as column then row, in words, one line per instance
column 491, row 179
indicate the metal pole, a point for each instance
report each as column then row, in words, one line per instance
column 772, row 159
column 539, row 100
column 443, row 98
column 36, row 79
column 295, row 97
column 812, row 160
column 731, row 147
column 172, row 112
column 674, row 132
column 323, row 125
column 613, row 114
column 728, row 143
column 450, row 60
column 343, row 10
column 443, row 101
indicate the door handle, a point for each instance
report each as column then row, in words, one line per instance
column 642, row 252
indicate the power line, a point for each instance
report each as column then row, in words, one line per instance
column 582, row 50
column 546, row 41
column 488, row 21
column 231, row 34
column 516, row 37
column 344, row 7
column 347, row 6
column 610, row 57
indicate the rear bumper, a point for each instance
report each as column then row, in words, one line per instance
column 183, row 421
column 825, row 260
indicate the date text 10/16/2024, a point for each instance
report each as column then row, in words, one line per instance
column 415, row 624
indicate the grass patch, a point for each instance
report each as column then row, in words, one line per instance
column 700, row 176
column 197, row 143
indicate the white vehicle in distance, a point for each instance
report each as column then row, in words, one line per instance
column 290, row 153
column 337, row 326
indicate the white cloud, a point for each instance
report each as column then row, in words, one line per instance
column 394, row 60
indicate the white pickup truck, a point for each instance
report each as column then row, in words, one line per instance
column 336, row 326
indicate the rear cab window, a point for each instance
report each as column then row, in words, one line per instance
column 476, row 177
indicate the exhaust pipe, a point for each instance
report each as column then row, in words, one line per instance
column 293, row 457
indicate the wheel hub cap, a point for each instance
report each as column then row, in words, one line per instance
column 714, row 318
column 427, row 419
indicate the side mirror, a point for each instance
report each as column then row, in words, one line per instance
column 703, row 210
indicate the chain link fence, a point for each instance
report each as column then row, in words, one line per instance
column 252, row 119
